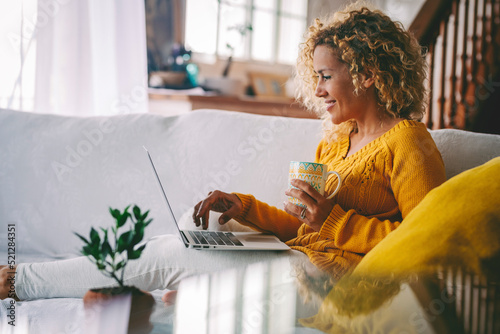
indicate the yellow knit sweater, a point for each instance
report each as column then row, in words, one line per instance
column 382, row 183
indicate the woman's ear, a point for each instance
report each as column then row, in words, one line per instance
column 368, row 79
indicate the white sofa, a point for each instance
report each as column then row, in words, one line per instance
column 59, row 175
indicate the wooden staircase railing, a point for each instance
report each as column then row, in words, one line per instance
column 463, row 42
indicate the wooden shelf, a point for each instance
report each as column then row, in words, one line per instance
column 286, row 107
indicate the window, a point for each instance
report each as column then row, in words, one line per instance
column 277, row 27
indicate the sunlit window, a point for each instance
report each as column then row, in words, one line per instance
column 263, row 30
column 18, row 52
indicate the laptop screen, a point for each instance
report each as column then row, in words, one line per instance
column 164, row 194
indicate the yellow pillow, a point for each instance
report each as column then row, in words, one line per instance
column 457, row 223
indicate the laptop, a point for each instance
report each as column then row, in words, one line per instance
column 220, row 240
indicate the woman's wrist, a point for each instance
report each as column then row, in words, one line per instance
column 246, row 202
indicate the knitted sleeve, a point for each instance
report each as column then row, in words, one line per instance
column 414, row 166
column 269, row 218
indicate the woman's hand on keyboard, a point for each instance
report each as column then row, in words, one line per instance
column 228, row 204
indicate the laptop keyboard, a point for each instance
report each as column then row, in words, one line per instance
column 215, row 238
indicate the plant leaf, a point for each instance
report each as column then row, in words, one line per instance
column 137, row 212
column 95, row 251
column 86, row 250
column 145, row 215
column 133, row 255
column 120, row 265
column 82, row 238
column 122, row 219
column 115, row 213
column 94, row 236
column 106, row 248
column 124, row 241
column 138, row 235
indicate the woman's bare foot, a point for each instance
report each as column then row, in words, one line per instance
column 169, row 297
column 7, row 280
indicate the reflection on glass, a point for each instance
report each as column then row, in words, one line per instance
column 223, row 303
column 110, row 316
column 290, row 296
column 263, row 35
column 254, row 291
column 261, row 298
column 282, row 298
column 192, row 306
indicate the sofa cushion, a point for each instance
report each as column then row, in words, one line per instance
column 462, row 150
column 60, row 174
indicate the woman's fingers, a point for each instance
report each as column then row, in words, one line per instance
column 317, row 206
column 302, row 196
column 293, row 209
column 203, row 213
column 308, row 189
column 314, row 216
column 199, row 212
column 196, row 218
column 228, row 204
column 204, row 218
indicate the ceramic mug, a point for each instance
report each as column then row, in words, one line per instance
column 313, row 173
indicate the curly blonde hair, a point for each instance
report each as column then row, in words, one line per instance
column 366, row 40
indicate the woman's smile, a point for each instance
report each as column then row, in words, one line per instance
column 330, row 104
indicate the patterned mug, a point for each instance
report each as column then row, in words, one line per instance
column 313, row 173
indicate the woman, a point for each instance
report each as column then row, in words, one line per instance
column 365, row 76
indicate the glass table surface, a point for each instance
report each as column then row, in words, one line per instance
column 283, row 296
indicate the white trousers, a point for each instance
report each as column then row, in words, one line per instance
column 163, row 264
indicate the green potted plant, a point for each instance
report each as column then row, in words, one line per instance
column 111, row 253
